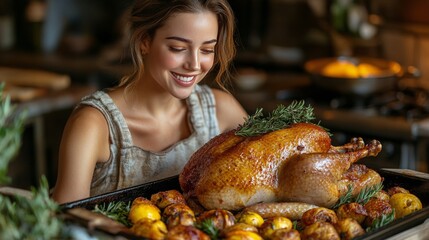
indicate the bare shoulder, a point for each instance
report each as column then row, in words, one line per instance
column 229, row 111
column 87, row 115
column 84, row 143
column 87, row 125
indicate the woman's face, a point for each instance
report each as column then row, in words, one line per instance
column 182, row 52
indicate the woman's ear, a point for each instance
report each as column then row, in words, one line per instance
column 145, row 46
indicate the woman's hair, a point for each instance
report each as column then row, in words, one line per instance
column 147, row 16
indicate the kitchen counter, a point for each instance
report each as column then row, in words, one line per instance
column 86, row 69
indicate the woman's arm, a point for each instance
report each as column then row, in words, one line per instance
column 85, row 141
column 229, row 111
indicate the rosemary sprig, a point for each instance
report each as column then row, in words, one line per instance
column 367, row 193
column 381, row 221
column 363, row 196
column 346, row 198
column 209, row 228
column 280, row 118
column 117, row 211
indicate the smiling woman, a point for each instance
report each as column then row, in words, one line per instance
column 147, row 127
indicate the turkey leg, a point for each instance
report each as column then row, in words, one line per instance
column 314, row 177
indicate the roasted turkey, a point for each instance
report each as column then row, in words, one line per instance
column 294, row 164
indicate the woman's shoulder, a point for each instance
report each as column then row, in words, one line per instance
column 86, row 115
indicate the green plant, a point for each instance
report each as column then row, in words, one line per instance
column 11, row 125
column 34, row 218
column 22, row 218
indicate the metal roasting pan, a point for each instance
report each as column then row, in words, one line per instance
column 416, row 182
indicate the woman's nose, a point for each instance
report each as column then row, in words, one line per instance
column 193, row 61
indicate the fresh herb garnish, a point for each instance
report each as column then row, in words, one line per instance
column 281, row 117
column 381, row 221
column 367, row 193
column 346, row 198
column 117, row 211
column 362, row 198
column 209, row 228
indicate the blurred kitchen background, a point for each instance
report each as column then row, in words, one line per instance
column 53, row 52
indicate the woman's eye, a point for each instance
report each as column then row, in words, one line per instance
column 207, row 51
column 177, row 49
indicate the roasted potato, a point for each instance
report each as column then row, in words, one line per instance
column 142, row 209
column 239, row 226
column 181, row 232
column 181, row 218
column 176, row 208
column 320, row 231
column 165, row 198
column 285, row 234
column 375, row 208
column 319, row 214
column 241, row 235
column 393, row 190
column 140, row 200
column 352, row 210
column 274, row 223
column 349, row 228
column 221, row 219
column 251, row 218
column 382, row 195
column 149, row 228
column 404, row 204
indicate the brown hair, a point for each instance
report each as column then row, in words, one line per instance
column 149, row 15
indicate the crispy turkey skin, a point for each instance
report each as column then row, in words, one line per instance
column 296, row 164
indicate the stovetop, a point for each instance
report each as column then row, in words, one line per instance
column 402, row 114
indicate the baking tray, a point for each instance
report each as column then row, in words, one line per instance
column 416, row 182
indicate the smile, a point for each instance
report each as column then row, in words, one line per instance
column 183, row 78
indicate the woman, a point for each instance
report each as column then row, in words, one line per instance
column 148, row 127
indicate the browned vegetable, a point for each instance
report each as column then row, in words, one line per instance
column 375, row 209
column 285, row 234
column 221, row 219
column 349, row 228
column 239, row 226
column 181, row 232
column 404, row 204
column 397, row 189
column 141, row 209
column 352, row 210
column 140, row 200
column 382, row 195
column 181, row 218
column 165, row 198
column 319, row 215
column 274, row 223
column 176, row 208
column 149, row 228
column 242, row 235
column 320, row 231
column 251, row 218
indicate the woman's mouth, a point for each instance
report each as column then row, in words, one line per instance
column 184, row 80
